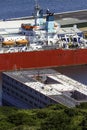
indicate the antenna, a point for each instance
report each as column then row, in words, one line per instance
column 37, row 5
column 36, row 2
column 36, row 12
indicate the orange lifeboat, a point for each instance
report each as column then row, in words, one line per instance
column 27, row 26
column 36, row 27
column 8, row 42
column 22, row 41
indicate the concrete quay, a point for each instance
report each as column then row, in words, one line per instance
column 81, row 15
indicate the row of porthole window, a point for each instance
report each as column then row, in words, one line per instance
column 21, row 96
column 16, row 87
column 34, row 104
column 24, row 92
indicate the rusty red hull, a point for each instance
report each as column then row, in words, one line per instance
column 45, row 58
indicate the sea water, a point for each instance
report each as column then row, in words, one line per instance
column 22, row 8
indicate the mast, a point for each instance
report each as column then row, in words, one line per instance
column 36, row 12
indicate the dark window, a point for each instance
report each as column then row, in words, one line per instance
column 7, row 89
column 35, row 105
column 4, row 87
column 21, row 96
column 31, row 102
column 45, row 97
column 36, row 93
column 26, row 99
column 17, row 94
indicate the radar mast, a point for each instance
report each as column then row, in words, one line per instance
column 36, row 12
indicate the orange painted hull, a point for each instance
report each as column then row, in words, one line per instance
column 45, row 58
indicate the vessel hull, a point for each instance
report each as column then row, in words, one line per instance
column 42, row 58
